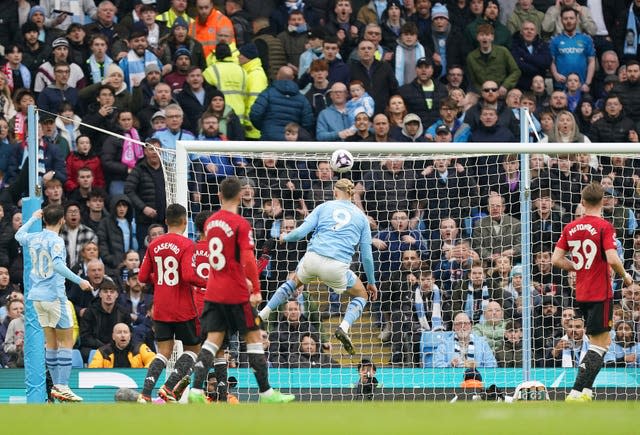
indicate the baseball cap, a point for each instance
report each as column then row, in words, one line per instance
column 158, row 114
column 411, row 117
column 443, row 129
column 424, row 61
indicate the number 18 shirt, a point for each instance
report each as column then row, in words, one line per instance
column 227, row 234
column 587, row 239
column 168, row 266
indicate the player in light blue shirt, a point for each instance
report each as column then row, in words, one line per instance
column 339, row 227
column 47, row 275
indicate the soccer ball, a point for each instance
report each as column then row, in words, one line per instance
column 341, row 161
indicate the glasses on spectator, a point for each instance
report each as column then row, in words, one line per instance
column 73, row 211
column 490, row 90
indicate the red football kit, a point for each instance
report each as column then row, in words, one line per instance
column 587, row 239
column 168, row 266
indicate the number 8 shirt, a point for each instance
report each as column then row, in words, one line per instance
column 227, row 234
column 168, row 266
column 587, row 239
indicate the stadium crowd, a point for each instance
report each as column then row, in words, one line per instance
column 446, row 231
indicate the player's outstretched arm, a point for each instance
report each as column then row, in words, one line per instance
column 616, row 264
column 60, row 267
column 307, row 226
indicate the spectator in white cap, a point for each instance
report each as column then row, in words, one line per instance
column 60, row 53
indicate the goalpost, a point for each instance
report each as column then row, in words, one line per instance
column 399, row 185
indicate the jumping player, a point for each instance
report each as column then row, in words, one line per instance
column 339, row 226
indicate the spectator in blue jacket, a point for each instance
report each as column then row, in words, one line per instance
column 280, row 104
column 333, row 122
column 463, row 348
column 59, row 91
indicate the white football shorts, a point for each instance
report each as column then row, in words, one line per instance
column 54, row 314
column 333, row 273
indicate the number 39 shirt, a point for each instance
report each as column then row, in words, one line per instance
column 168, row 266
column 227, row 234
column 587, row 239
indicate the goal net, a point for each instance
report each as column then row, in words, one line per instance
column 462, row 245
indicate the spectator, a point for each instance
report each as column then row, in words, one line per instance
column 96, row 325
column 81, row 300
column 146, row 191
column 105, row 24
column 489, row 16
column 116, row 232
column 489, row 98
column 122, row 352
column 565, row 129
column 464, row 349
column 489, row 130
column 35, row 52
column 229, row 78
column 547, row 221
column 363, row 129
column 240, row 20
column 312, row 52
column 407, row 52
column 342, row 23
column 180, row 67
column 137, row 303
column 412, row 130
column 102, row 114
column 395, row 111
column 16, row 69
column 333, row 122
column 15, row 310
column 138, row 57
column 509, row 350
column 144, row 95
column 270, row 48
column 492, row 325
column 489, row 62
column 525, row 11
column 229, row 122
column 13, row 346
column 162, row 98
column 609, row 64
column 84, row 170
column 58, row 91
column 530, row 52
column 68, row 124
column 194, row 98
column 289, row 331
column 74, row 233
column 205, row 27
column 360, row 101
column 569, row 349
column 393, row 242
column 378, row 77
column 294, row 38
column 622, row 217
column 554, row 25
column 89, row 251
column 179, row 38
column 308, row 355
column 497, row 234
column 7, row 109
column 280, row 104
column 120, row 156
column 178, row 9
column 381, row 128
column 471, row 295
column 446, row 43
column 95, row 67
column 46, row 72
column 53, row 192
column 579, row 57
column 174, row 131
column 614, row 126
column 95, row 208
column 422, row 96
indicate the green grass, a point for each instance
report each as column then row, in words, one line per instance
column 468, row 418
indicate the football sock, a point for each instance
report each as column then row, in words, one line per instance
column 182, row 367
column 258, row 363
column 64, row 366
column 282, row 295
column 155, row 368
column 220, row 367
column 354, row 311
column 589, row 369
column 51, row 358
column 203, row 364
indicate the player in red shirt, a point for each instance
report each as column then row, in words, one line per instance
column 590, row 242
column 168, row 266
column 233, row 292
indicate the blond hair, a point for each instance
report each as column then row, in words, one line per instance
column 345, row 185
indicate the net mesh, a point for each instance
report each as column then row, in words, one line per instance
column 447, row 247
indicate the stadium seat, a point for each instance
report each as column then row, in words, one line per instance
column 91, row 354
column 429, row 342
column 76, row 359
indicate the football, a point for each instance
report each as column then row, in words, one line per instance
column 341, row 161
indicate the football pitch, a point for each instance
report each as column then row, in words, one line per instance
column 325, row 418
